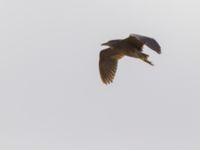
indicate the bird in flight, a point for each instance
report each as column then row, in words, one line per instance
column 131, row 46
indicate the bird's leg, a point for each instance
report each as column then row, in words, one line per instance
column 144, row 57
column 149, row 62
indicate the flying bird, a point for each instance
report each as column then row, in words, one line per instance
column 131, row 46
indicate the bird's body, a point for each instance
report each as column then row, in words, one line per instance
column 131, row 46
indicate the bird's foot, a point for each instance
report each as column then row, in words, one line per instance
column 147, row 61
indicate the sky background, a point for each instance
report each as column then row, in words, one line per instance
column 51, row 94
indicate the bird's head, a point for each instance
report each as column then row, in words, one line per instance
column 111, row 43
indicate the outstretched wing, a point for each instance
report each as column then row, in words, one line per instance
column 150, row 42
column 108, row 65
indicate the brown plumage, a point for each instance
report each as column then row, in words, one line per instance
column 131, row 46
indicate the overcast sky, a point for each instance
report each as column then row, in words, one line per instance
column 51, row 94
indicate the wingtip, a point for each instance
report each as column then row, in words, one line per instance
column 159, row 51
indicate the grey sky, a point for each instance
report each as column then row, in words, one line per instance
column 51, row 93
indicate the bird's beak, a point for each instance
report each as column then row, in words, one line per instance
column 103, row 44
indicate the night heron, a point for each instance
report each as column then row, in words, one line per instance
column 131, row 46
